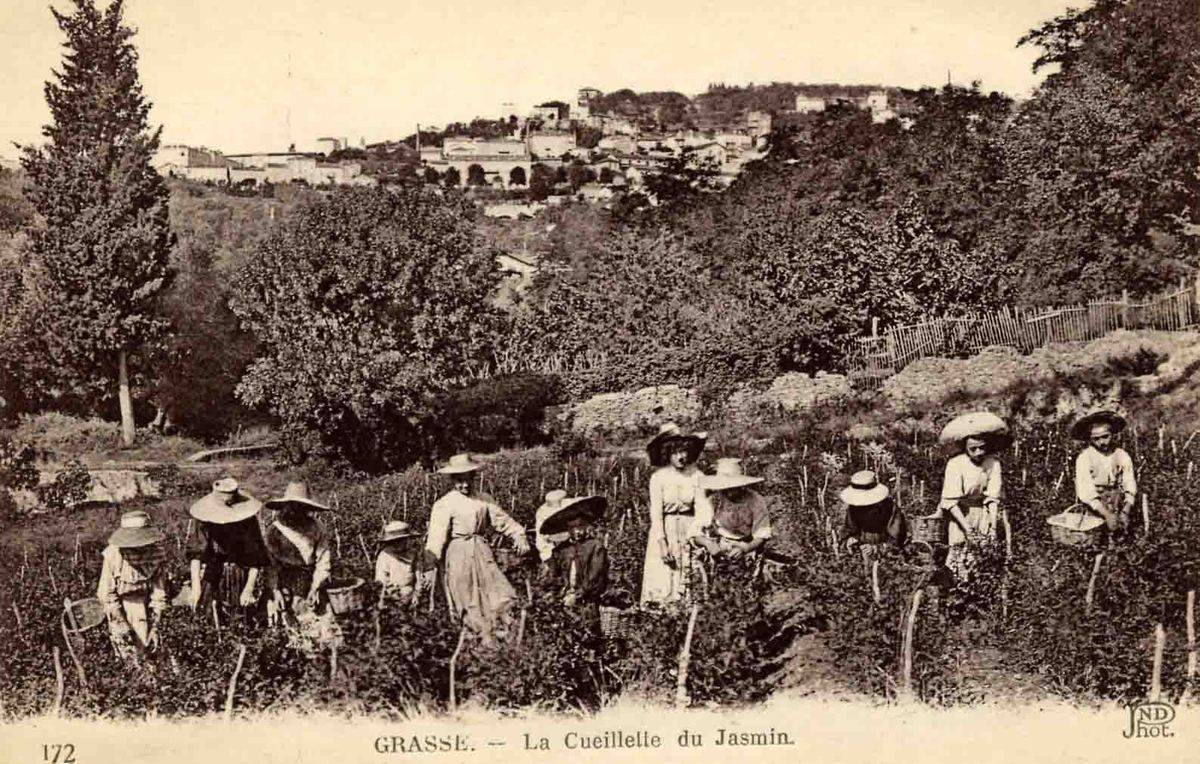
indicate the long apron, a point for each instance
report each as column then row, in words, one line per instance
column 476, row 589
column 662, row 583
column 961, row 558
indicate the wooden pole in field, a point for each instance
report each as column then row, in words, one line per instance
column 59, row 684
column 17, row 613
column 1091, row 587
column 1146, row 514
column 462, row 633
column 875, row 582
column 1007, row 534
column 216, row 619
column 332, row 661
column 910, row 630
column 68, row 637
column 1160, row 639
column 1193, row 657
column 685, row 657
column 363, row 545
column 233, row 682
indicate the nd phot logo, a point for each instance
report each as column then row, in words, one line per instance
column 1150, row 719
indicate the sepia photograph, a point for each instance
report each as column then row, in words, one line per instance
column 636, row 381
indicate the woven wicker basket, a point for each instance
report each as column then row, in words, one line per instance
column 1076, row 528
column 85, row 614
column 614, row 621
column 347, row 595
column 930, row 529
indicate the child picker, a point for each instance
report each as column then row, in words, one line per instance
column 580, row 562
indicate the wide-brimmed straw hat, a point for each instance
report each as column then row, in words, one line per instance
column 295, row 496
column 554, row 499
column 590, row 508
column 226, row 504
column 864, row 490
column 669, row 434
column 728, row 475
column 1082, row 428
column 459, row 464
column 977, row 424
column 396, row 529
column 135, row 531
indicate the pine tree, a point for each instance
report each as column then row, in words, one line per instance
column 100, row 256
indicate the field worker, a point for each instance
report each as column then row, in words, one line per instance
column 871, row 518
column 971, row 489
column 301, row 561
column 476, row 589
column 133, row 584
column 1104, row 479
column 676, row 499
column 741, row 522
column 543, row 541
column 395, row 566
column 579, row 563
column 226, row 549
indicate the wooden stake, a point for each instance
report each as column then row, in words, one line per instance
column 685, row 657
column 332, row 661
column 875, row 582
column 462, row 633
column 233, row 682
column 1090, row 596
column 1007, row 534
column 59, row 684
column 216, row 619
column 17, row 613
column 1160, row 640
column 366, row 554
column 1146, row 514
column 1193, row 656
column 68, row 637
column 909, row 634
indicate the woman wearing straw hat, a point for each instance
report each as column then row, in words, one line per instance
column 871, row 518
column 579, row 562
column 676, row 500
column 226, row 550
column 132, row 586
column 476, row 589
column 740, row 522
column 395, row 565
column 298, row 545
column 1104, row 480
column 543, row 541
column 971, row 489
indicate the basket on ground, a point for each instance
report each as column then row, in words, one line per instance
column 1076, row 528
column 614, row 621
column 930, row 529
column 347, row 595
column 81, row 615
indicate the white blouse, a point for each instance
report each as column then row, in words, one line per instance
column 965, row 478
column 1095, row 472
column 675, row 492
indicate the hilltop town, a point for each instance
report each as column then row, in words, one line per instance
column 593, row 150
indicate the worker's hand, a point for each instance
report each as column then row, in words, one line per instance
column 314, row 596
column 247, row 598
column 664, row 551
column 736, row 551
column 522, row 545
column 570, row 598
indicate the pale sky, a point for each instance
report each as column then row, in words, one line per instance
column 256, row 75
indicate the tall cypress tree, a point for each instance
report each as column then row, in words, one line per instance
column 100, row 255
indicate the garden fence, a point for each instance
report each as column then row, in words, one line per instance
column 873, row 359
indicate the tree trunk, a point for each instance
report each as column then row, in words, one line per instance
column 126, row 400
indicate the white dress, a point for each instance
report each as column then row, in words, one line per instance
column 679, row 510
column 976, row 490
